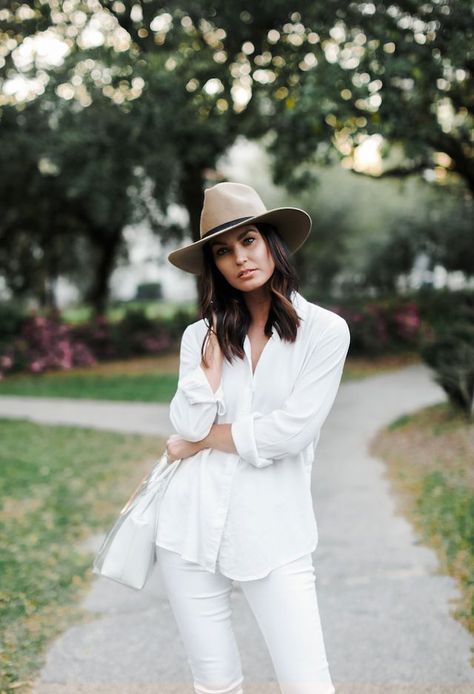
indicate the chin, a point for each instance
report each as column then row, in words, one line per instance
column 251, row 287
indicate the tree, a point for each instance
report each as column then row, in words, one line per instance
column 442, row 232
column 38, row 235
column 400, row 69
column 313, row 77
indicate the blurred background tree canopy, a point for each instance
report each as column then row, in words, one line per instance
column 112, row 111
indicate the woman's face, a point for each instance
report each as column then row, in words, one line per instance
column 243, row 249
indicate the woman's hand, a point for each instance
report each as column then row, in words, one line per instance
column 177, row 447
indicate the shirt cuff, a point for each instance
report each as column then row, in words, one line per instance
column 242, row 431
column 197, row 389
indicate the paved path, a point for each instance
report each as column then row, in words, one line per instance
column 132, row 417
column 385, row 611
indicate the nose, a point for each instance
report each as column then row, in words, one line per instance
column 240, row 255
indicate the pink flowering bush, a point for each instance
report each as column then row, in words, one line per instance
column 404, row 322
column 367, row 326
column 98, row 335
column 44, row 344
column 134, row 335
column 382, row 326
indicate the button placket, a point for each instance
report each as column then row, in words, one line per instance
column 224, row 511
column 248, row 354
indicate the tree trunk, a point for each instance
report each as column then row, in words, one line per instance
column 98, row 294
column 45, row 295
column 192, row 196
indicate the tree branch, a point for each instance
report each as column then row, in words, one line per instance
column 398, row 171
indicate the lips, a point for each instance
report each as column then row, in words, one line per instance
column 246, row 272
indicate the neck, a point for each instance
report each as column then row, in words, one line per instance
column 258, row 303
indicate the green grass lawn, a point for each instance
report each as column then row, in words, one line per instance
column 58, row 485
column 145, row 387
column 428, row 459
column 148, row 379
column 153, row 308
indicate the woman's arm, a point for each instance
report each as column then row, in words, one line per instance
column 199, row 396
column 219, row 437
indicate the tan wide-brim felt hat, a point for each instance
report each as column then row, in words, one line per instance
column 231, row 205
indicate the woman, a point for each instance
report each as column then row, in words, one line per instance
column 252, row 396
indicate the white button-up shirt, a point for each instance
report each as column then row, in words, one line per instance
column 248, row 512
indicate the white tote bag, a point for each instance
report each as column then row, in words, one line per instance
column 128, row 552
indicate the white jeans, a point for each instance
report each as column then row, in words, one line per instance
column 285, row 607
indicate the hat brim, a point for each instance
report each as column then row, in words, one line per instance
column 292, row 223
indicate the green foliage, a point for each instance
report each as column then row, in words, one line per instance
column 399, row 422
column 440, row 307
column 442, row 231
column 429, row 460
column 368, row 234
column 325, row 253
column 70, row 185
column 449, row 346
column 12, row 316
column 401, row 66
column 178, row 322
column 451, row 355
column 143, row 125
column 448, row 512
column 162, row 310
column 136, row 319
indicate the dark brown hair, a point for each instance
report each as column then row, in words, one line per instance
column 217, row 296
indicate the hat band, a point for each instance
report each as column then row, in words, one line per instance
column 232, row 223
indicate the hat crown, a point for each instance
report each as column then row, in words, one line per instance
column 226, row 202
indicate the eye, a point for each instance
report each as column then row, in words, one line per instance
column 221, row 251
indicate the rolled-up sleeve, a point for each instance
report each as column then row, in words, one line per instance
column 260, row 439
column 195, row 405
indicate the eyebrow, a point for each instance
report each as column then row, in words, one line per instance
column 222, row 243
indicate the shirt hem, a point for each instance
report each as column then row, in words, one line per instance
column 183, row 556
column 310, row 550
column 269, row 570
